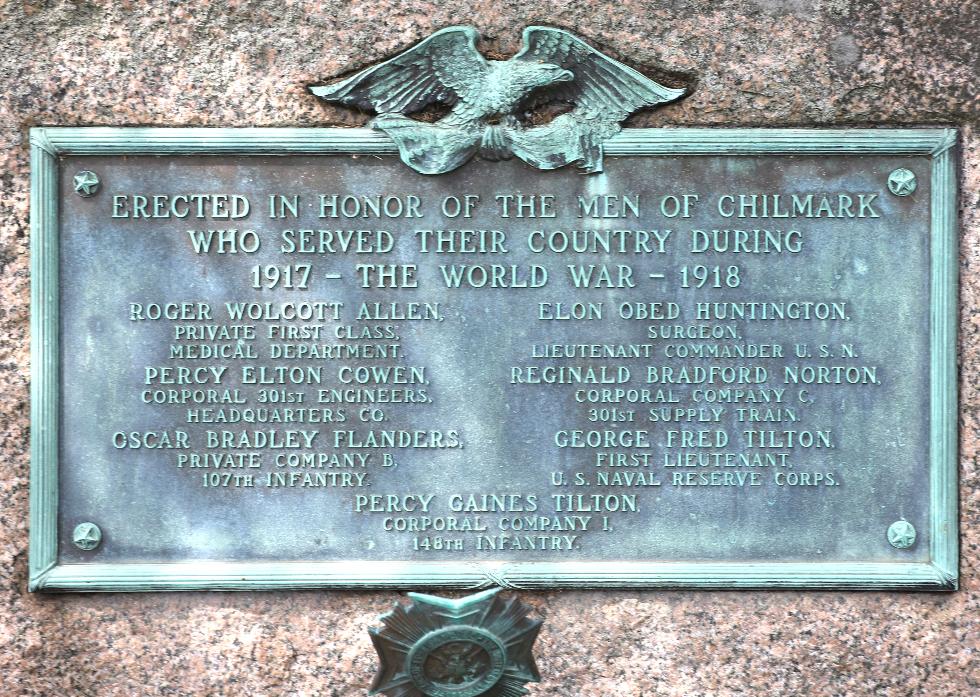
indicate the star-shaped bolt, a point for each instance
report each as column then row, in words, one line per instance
column 86, row 183
column 901, row 534
column 86, row 536
column 902, row 182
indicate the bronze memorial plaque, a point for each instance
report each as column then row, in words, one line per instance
column 434, row 354
column 275, row 358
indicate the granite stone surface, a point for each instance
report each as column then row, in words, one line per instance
column 239, row 63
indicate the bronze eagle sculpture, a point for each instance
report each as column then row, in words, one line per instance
column 487, row 96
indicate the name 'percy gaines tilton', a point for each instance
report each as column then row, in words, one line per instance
column 487, row 98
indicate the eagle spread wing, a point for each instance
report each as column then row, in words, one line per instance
column 603, row 88
column 445, row 68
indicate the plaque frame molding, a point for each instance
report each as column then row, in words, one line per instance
column 941, row 572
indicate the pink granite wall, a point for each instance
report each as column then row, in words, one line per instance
column 238, row 63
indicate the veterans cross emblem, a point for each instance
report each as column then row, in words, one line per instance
column 489, row 100
column 477, row 646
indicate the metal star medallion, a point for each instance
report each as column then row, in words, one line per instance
column 87, row 536
column 86, row 183
column 902, row 182
column 901, row 534
column 478, row 646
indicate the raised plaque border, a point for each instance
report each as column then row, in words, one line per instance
column 46, row 574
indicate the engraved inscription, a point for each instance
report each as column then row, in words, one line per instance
column 334, row 358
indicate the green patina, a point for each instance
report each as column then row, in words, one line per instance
column 490, row 99
column 939, row 572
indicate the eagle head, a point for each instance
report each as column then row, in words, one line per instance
column 544, row 74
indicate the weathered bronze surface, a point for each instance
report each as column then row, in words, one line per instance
column 477, row 646
column 490, row 101
column 687, row 370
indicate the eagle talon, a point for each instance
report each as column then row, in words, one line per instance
column 592, row 164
